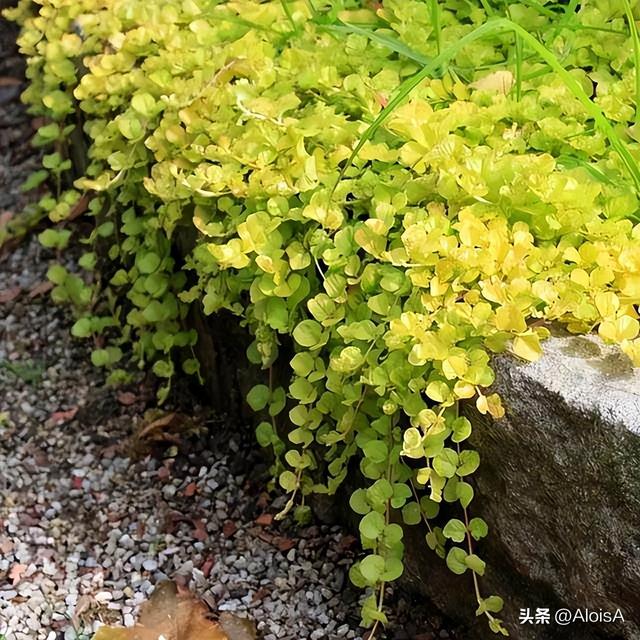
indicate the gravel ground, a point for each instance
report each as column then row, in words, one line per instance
column 93, row 515
column 86, row 531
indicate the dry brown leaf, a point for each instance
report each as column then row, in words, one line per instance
column 176, row 615
column 207, row 565
column 40, row 288
column 7, row 295
column 126, row 398
column 264, row 519
column 158, row 426
column 79, row 207
column 237, row 628
column 285, row 544
column 60, row 417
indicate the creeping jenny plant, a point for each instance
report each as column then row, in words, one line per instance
column 404, row 189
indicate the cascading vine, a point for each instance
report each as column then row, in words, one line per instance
column 405, row 189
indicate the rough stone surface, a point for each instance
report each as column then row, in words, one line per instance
column 560, row 488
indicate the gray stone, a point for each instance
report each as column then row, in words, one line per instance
column 559, row 487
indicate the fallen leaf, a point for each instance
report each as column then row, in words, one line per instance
column 229, row 528
column 285, row 544
column 264, row 519
column 172, row 614
column 60, row 417
column 79, row 207
column 126, row 398
column 346, row 543
column 266, row 537
column 84, row 603
column 15, row 573
column 237, row 628
column 190, row 489
column 40, row 288
column 158, row 425
column 7, row 295
column 207, row 565
column 76, row 482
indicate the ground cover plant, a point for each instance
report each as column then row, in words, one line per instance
column 403, row 188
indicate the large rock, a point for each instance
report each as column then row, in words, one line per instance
column 559, row 485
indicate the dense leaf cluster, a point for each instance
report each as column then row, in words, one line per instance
column 404, row 189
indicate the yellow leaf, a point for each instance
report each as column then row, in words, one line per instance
column 438, row 391
column 632, row 349
column 454, row 367
column 623, row 328
column 510, row 318
column 527, row 346
column 629, row 285
column 607, row 303
column 412, row 444
column 463, row 390
column 571, row 255
column 494, row 406
column 422, row 477
column 581, row 277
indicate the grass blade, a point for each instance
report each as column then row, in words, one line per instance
column 287, row 10
column 385, row 40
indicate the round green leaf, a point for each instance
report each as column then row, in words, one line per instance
column 456, row 560
column 455, row 530
column 308, row 333
column 469, row 462
column 376, row 451
column 372, row 568
column 372, row 525
column 478, row 528
column 393, row 569
column 358, row 502
column 258, row 397
column 411, row 513
column 475, row 564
